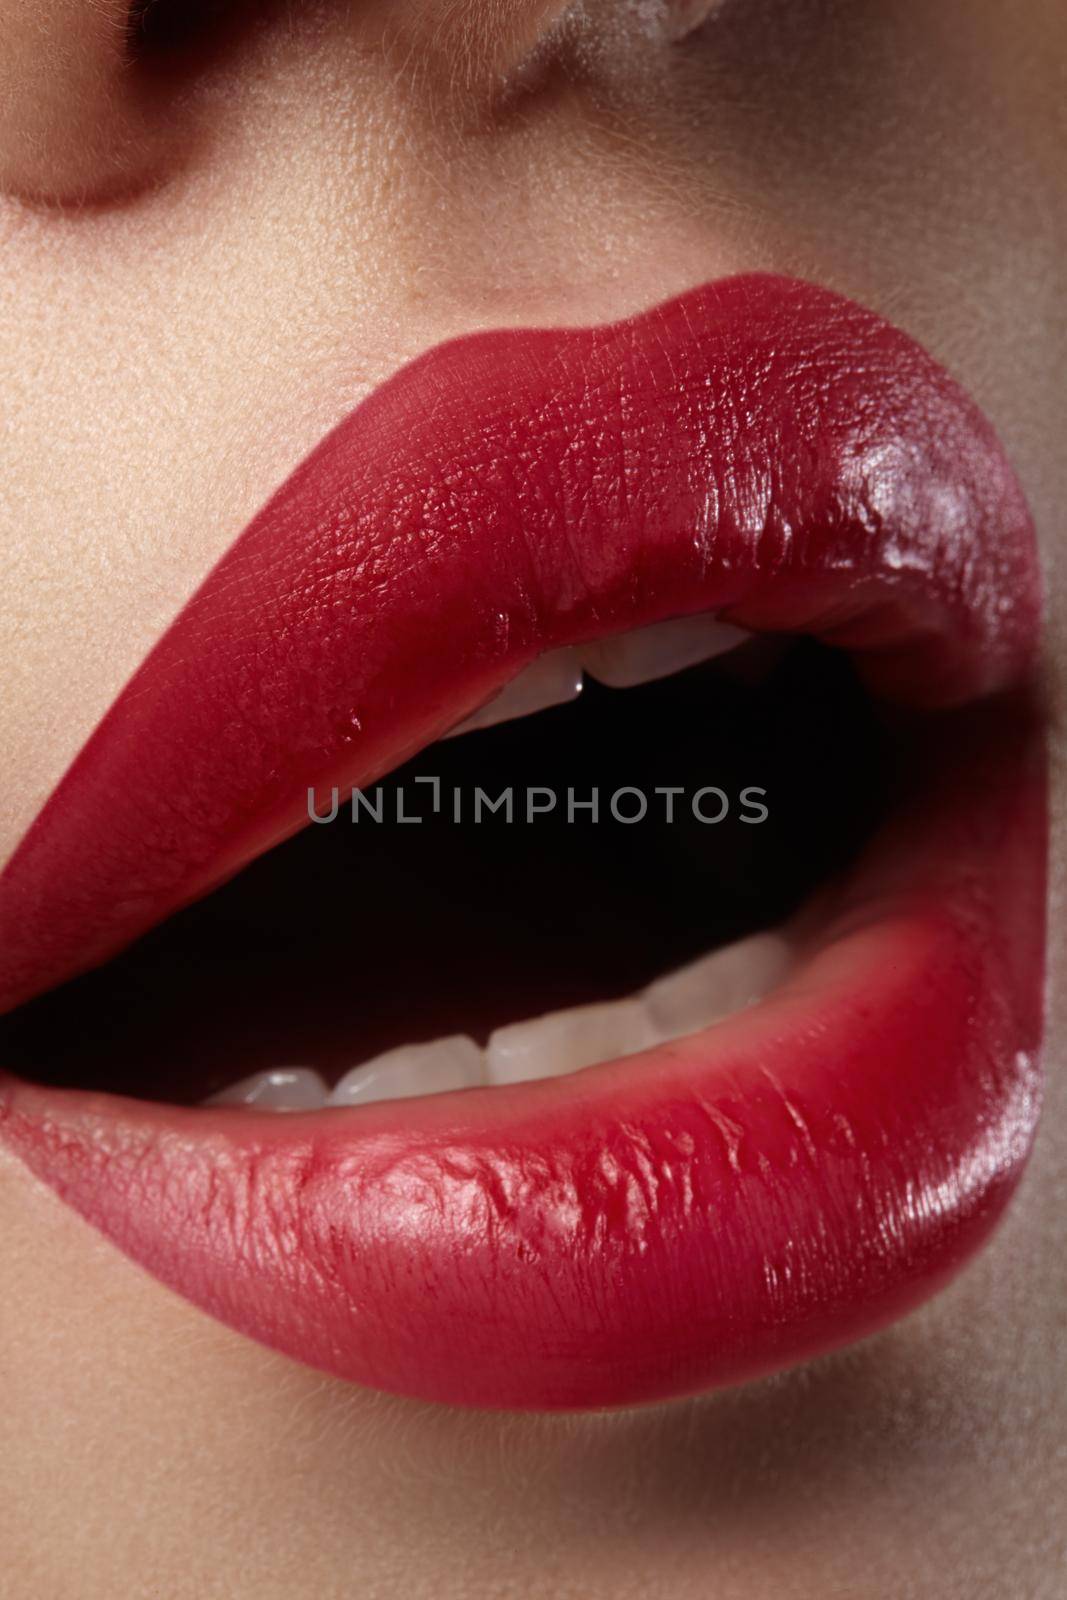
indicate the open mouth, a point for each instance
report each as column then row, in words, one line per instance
column 643, row 1038
column 510, row 904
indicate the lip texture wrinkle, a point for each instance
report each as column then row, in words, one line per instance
column 746, row 1197
column 758, row 446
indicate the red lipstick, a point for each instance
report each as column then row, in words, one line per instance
column 739, row 1199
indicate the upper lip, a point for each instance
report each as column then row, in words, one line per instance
column 760, row 448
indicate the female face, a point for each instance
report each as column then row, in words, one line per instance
column 217, row 241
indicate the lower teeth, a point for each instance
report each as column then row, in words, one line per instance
column 681, row 1003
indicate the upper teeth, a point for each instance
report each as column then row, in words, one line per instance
column 620, row 662
column 647, row 653
column 683, row 1002
column 551, row 680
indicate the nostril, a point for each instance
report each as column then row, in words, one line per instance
column 159, row 30
column 90, row 114
column 157, row 25
column 71, row 123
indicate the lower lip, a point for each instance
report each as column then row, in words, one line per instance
column 750, row 1196
column 740, row 1200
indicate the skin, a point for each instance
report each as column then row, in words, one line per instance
column 204, row 268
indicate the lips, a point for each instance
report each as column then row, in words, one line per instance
column 716, row 1205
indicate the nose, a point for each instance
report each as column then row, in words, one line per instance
column 88, row 87
column 467, row 47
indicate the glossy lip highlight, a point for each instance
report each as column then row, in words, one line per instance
column 739, row 1199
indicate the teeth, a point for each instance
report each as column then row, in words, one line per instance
column 453, row 1063
column 717, row 985
column 551, row 680
column 565, row 1041
column 621, row 663
column 660, row 650
column 683, row 1002
column 279, row 1089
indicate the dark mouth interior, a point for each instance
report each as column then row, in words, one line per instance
column 357, row 936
